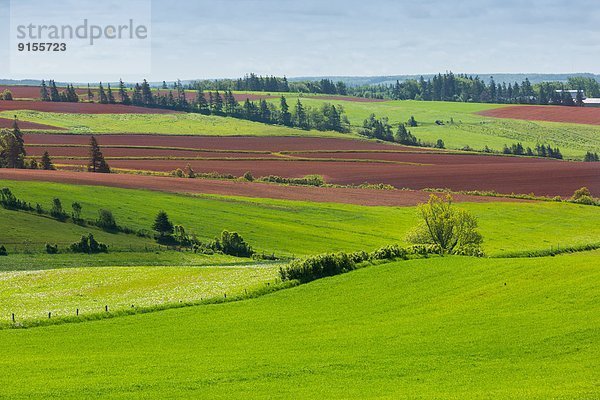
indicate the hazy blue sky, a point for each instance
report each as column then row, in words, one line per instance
column 209, row 39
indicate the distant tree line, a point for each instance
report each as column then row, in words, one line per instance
column 252, row 82
column 50, row 92
column 540, row 150
column 465, row 88
column 326, row 117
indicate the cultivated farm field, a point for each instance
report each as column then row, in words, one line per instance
column 191, row 297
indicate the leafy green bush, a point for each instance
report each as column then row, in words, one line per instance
column 57, row 210
column 308, row 180
column 315, row 267
column 3, row 251
column 51, row 248
column 389, row 253
column 88, row 245
column 106, row 221
column 10, row 202
column 233, row 244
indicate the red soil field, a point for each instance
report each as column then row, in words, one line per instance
column 7, row 123
column 423, row 158
column 575, row 115
column 366, row 197
column 84, row 108
column 58, row 152
column 541, row 178
column 453, row 171
column 218, row 143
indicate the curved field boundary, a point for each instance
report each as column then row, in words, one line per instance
column 573, row 115
column 7, row 123
column 367, row 197
column 78, row 108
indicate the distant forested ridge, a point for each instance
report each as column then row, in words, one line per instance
column 464, row 88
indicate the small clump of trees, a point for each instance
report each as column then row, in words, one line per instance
column 230, row 243
column 540, row 150
column 591, row 157
column 6, row 95
column 449, row 229
column 88, row 245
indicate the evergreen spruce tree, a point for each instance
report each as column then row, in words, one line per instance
column 110, row 98
column 102, row 95
column 97, row 162
column 90, row 94
column 44, row 94
column 123, row 93
column 285, row 117
column 46, row 162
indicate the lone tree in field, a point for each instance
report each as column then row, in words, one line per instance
column 97, row 162
column 47, row 162
column 12, row 147
column 446, row 227
column 162, row 225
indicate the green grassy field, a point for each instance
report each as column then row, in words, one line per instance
column 299, row 228
column 40, row 261
column 469, row 129
column 30, row 295
column 172, row 124
column 451, row 328
column 296, row 228
column 29, row 232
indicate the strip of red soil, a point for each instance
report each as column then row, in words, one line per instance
column 541, row 178
column 424, row 158
column 575, row 115
column 233, row 188
column 58, row 152
column 7, row 123
column 219, row 143
column 78, row 108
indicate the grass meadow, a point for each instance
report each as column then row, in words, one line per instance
column 449, row 327
column 30, row 295
column 301, row 228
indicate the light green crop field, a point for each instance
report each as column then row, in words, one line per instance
column 468, row 129
column 300, row 228
column 40, row 261
column 30, row 295
column 172, row 124
column 452, row 328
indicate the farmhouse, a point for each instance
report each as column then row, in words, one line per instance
column 573, row 93
column 591, row 102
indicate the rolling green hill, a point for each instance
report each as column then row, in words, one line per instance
column 450, row 328
column 172, row 124
column 300, row 228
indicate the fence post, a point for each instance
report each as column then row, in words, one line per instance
column 106, row 308
column 13, row 318
column 77, row 312
column 49, row 315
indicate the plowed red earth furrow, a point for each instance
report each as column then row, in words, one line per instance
column 233, row 188
column 7, row 123
column 78, row 108
column 541, row 178
column 424, row 158
column 58, row 152
column 218, row 143
column 575, row 115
